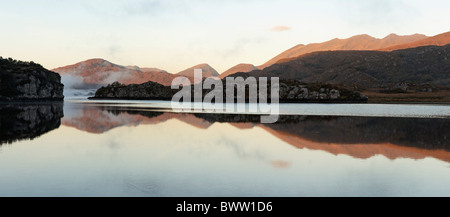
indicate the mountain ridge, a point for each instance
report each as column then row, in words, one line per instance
column 437, row 40
column 357, row 42
column 366, row 69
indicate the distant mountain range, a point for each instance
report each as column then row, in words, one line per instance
column 359, row 42
column 95, row 72
column 438, row 40
column 366, row 69
column 318, row 62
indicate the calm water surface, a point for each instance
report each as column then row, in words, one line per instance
column 139, row 149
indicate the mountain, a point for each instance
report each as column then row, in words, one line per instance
column 438, row 40
column 366, row 69
column 98, row 72
column 238, row 68
column 359, row 42
column 208, row 71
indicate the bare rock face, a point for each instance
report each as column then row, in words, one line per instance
column 28, row 81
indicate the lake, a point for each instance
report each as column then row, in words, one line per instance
column 141, row 148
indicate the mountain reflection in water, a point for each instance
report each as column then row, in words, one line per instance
column 82, row 149
column 359, row 137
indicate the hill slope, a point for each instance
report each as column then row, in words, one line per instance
column 359, row 42
column 438, row 40
column 366, row 69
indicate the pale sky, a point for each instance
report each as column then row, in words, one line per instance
column 176, row 34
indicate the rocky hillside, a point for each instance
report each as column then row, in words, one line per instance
column 28, row 81
column 367, row 69
column 359, row 42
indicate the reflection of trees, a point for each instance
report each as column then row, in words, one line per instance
column 28, row 121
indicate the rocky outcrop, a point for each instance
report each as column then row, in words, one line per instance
column 149, row 90
column 28, row 81
column 28, row 121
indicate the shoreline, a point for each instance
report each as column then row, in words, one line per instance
column 247, row 101
column 369, row 102
column 31, row 101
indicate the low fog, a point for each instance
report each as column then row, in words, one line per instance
column 78, row 86
column 74, row 86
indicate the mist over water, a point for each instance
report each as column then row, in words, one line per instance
column 74, row 86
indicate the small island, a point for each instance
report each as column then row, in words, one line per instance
column 291, row 91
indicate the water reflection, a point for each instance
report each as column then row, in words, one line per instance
column 129, row 151
column 359, row 137
column 28, row 121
